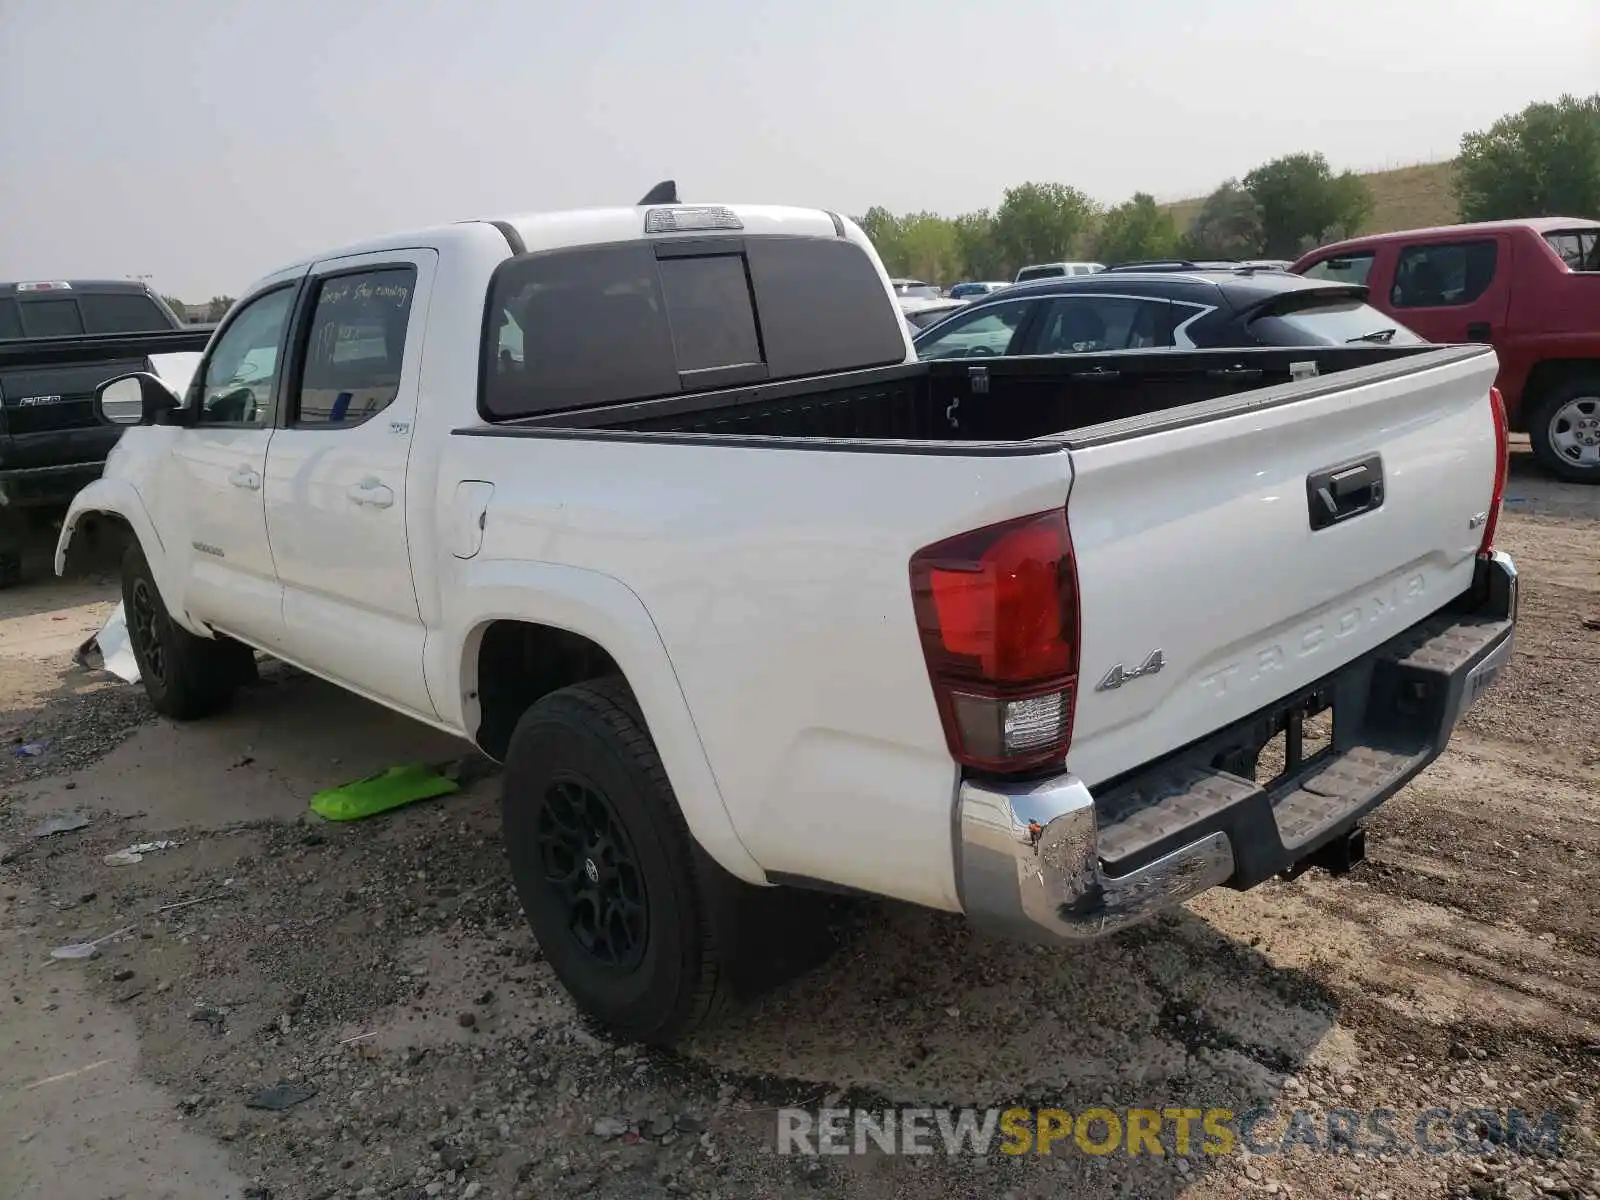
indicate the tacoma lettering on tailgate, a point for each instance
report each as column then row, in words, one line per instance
column 1313, row 638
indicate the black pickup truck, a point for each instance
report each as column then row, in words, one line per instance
column 58, row 341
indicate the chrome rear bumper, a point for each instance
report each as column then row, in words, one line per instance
column 1030, row 866
column 1041, row 859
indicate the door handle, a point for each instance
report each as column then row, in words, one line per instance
column 1338, row 493
column 245, row 477
column 370, row 493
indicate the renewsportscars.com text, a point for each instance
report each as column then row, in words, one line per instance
column 1164, row 1131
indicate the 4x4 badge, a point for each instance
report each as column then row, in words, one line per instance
column 1118, row 675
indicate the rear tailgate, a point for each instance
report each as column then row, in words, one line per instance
column 1193, row 535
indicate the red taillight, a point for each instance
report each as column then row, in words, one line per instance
column 1502, row 458
column 997, row 609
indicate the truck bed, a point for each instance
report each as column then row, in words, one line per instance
column 1077, row 400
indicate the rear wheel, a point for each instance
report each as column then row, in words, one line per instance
column 1564, row 429
column 186, row 677
column 630, row 914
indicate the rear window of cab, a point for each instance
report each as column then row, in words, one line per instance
column 596, row 325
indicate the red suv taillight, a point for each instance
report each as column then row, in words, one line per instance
column 997, row 609
column 1502, row 457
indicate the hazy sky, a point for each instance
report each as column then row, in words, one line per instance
column 207, row 143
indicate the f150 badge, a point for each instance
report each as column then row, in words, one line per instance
column 1119, row 675
column 37, row 401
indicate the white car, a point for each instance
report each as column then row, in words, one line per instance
column 915, row 289
column 656, row 506
column 1057, row 270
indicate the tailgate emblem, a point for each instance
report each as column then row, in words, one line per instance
column 1118, row 675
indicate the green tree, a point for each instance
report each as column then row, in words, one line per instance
column 980, row 256
column 883, row 230
column 1541, row 162
column 1300, row 197
column 1228, row 225
column 218, row 307
column 930, row 248
column 178, row 307
column 1040, row 222
column 1135, row 230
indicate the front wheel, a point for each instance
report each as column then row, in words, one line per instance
column 627, row 910
column 1564, row 430
column 186, row 677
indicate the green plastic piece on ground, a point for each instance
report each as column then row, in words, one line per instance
column 379, row 793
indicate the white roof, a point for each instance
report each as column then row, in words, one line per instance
column 586, row 226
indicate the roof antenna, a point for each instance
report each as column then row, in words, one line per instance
column 665, row 192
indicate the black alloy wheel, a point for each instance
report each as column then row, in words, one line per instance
column 590, row 865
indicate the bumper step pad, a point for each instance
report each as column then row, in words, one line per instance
column 1393, row 714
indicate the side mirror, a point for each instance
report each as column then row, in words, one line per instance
column 137, row 399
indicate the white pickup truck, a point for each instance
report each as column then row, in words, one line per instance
column 656, row 506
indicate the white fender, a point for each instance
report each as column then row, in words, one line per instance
column 118, row 498
column 607, row 612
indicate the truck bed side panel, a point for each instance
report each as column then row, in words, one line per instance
column 779, row 582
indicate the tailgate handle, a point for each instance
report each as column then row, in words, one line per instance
column 1347, row 490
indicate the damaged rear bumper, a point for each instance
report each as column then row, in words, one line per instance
column 1046, row 858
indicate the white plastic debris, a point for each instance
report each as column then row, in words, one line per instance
column 136, row 852
column 116, row 649
column 110, row 649
column 76, row 950
column 82, row 950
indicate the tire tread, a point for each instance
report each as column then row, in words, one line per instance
column 610, row 700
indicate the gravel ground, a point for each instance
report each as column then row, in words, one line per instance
column 384, row 968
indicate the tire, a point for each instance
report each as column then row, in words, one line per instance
column 1564, row 423
column 186, row 677
column 591, row 826
column 13, row 536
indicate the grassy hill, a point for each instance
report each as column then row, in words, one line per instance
column 1405, row 198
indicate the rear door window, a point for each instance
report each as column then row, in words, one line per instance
column 126, row 312
column 50, row 318
column 638, row 320
column 356, row 347
column 1443, row 274
column 1578, row 248
column 1343, row 268
column 1089, row 324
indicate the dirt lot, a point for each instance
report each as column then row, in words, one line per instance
column 385, row 965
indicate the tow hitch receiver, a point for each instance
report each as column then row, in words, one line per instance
column 1336, row 858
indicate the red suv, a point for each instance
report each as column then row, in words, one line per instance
column 1529, row 288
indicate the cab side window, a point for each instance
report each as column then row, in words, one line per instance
column 1443, row 274
column 241, row 374
column 355, row 349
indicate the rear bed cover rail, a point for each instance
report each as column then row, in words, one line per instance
column 1426, row 359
